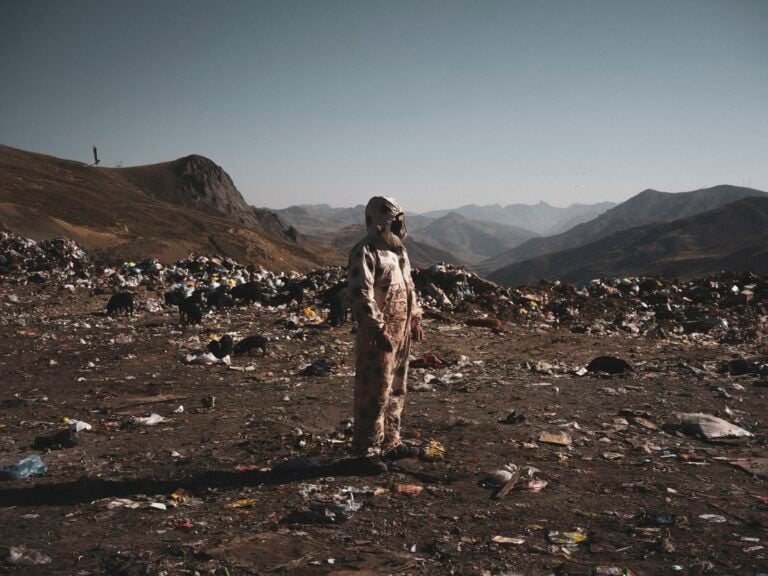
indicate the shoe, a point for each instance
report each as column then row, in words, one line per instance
column 400, row 452
column 362, row 466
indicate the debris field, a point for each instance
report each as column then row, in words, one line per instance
column 614, row 429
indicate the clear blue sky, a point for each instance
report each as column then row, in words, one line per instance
column 437, row 103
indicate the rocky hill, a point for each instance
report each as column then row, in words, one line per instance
column 471, row 240
column 197, row 182
column 731, row 237
column 167, row 210
column 648, row 207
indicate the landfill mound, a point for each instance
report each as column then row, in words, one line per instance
column 653, row 306
column 617, row 428
column 168, row 209
column 58, row 260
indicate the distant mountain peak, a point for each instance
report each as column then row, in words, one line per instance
column 201, row 177
column 541, row 217
column 453, row 216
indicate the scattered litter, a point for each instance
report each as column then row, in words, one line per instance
column 23, row 468
column 514, row 416
column 532, row 486
column 78, row 425
column 432, row 451
column 508, row 540
column 612, row 571
column 652, row 518
column 323, row 512
column 151, row 420
column 757, row 466
column 23, row 556
column 321, row 367
column 241, row 503
column 206, row 359
column 708, row 426
column 122, row 503
column 561, row 439
column 410, row 489
column 66, row 438
column 574, row 537
column 498, row 478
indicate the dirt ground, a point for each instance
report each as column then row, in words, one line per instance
column 637, row 494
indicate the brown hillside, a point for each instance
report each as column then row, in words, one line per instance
column 421, row 255
column 732, row 237
column 167, row 210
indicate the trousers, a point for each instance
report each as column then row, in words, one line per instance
column 380, row 380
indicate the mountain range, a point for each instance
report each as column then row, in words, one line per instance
column 540, row 218
column 191, row 205
column 647, row 207
column 733, row 236
column 467, row 239
column 470, row 240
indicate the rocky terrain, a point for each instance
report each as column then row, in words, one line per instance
column 554, row 459
column 647, row 207
column 731, row 237
column 167, row 210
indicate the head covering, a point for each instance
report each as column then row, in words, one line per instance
column 384, row 218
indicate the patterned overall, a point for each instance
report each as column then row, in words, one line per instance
column 383, row 299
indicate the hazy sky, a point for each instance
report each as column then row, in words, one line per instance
column 437, row 103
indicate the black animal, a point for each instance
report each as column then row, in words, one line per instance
column 220, row 299
column 174, row 298
column 190, row 312
column 335, row 298
column 198, row 297
column 222, row 347
column 246, row 292
column 293, row 291
column 120, row 301
column 250, row 343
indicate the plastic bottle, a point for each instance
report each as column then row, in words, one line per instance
column 24, row 468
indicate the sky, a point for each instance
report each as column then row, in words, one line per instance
column 438, row 103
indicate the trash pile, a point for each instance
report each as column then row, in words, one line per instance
column 724, row 307
column 727, row 306
column 552, row 447
column 216, row 278
column 448, row 287
column 59, row 260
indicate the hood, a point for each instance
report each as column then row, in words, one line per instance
column 380, row 213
